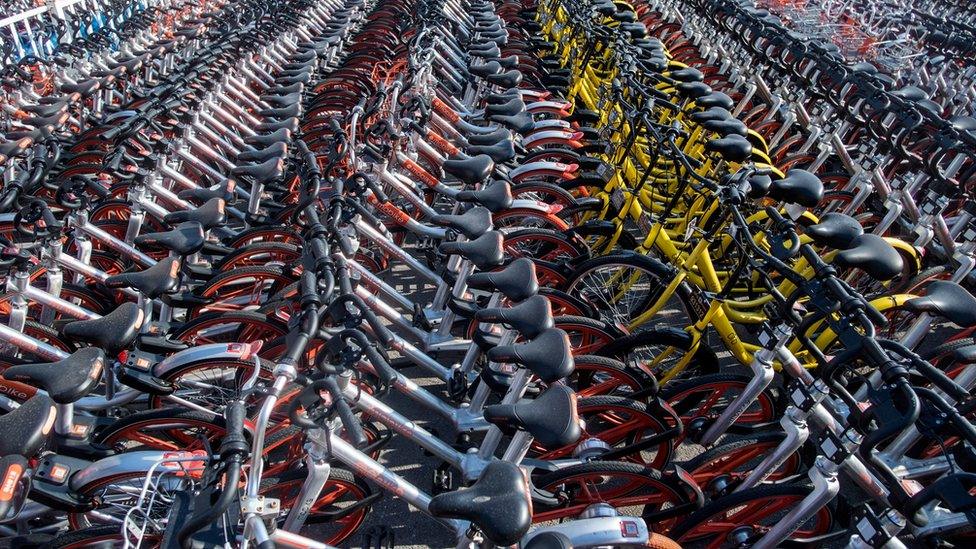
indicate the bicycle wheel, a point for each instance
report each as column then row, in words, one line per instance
column 658, row 350
column 707, row 396
column 630, row 487
column 260, row 254
column 737, row 456
column 587, row 335
column 96, row 537
column 167, row 429
column 114, row 496
column 749, row 512
column 211, row 383
column 597, row 375
column 230, row 327
column 543, row 244
column 623, row 286
column 334, row 513
column 619, row 422
column 244, row 288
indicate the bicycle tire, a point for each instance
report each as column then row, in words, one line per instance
column 636, row 349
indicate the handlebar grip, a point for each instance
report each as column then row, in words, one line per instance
column 383, row 369
column 234, row 443
column 308, row 286
column 354, row 429
column 335, row 126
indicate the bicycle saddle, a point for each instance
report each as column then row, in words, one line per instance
column 947, row 300
column 873, row 255
column 297, row 87
column 10, row 149
column 49, row 122
column 798, row 187
column 733, row 148
column 835, row 230
column 517, row 280
column 551, row 418
column 281, row 113
column 910, row 93
column 24, row 430
column 472, row 223
column 265, row 172
column 489, row 52
column 549, row 540
column 496, row 136
column 84, row 88
column 624, row 16
column 48, row 109
column 521, row 123
column 693, row 90
column 530, row 318
column 66, row 380
column 497, row 503
column 864, row 67
column 715, row 99
column 290, row 124
column 687, row 74
column 184, row 239
column 113, row 332
column 282, row 100
column 511, row 107
column 507, row 79
column 155, row 281
column 275, row 150
column 965, row 355
column 963, row 123
column 635, row 29
column 509, row 62
column 303, row 78
column 500, row 152
column 225, row 192
column 281, row 135
column 470, row 170
column 210, row 215
column 726, row 127
column 496, row 196
column 485, row 251
column 486, row 69
column 548, row 356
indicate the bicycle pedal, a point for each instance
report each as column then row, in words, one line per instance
column 378, row 537
column 443, row 479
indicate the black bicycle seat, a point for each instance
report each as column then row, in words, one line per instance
column 530, row 318
column 910, row 93
column 521, row 123
column 729, row 126
column 496, row 196
column 66, row 380
column 551, row 418
column 485, row 69
column 733, row 148
column 265, row 140
column 155, row 281
column 947, row 300
column 184, row 239
column 303, row 78
column 549, row 355
column 49, row 109
column 549, row 540
column 963, row 123
column 490, row 52
column 714, row 113
column 965, row 355
column 282, row 100
column 16, row 147
column 281, row 113
column 51, row 122
column 511, row 107
column 509, row 62
column 507, row 79
column 686, row 74
column 210, row 215
column 693, row 90
column 873, row 255
column 798, row 187
column 517, row 281
column 472, row 223
column 290, row 124
column 496, row 136
column 84, row 88
column 500, row 152
column 835, row 230
column 864, row 67
column 281, row 90
column 470, row 170
column 113, row 332
column 485, row 252
column 275, row 150
column 498, row 503
column 201, row 195
column 715, row 99
column 263, row 173
column 24, row 430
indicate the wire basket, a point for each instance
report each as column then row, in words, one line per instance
column 176, row 472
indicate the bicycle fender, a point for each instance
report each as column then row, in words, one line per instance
column 131, row 462
column 211, row 351
column 907, row 251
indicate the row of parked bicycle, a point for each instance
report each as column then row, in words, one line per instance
column 683, row 278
